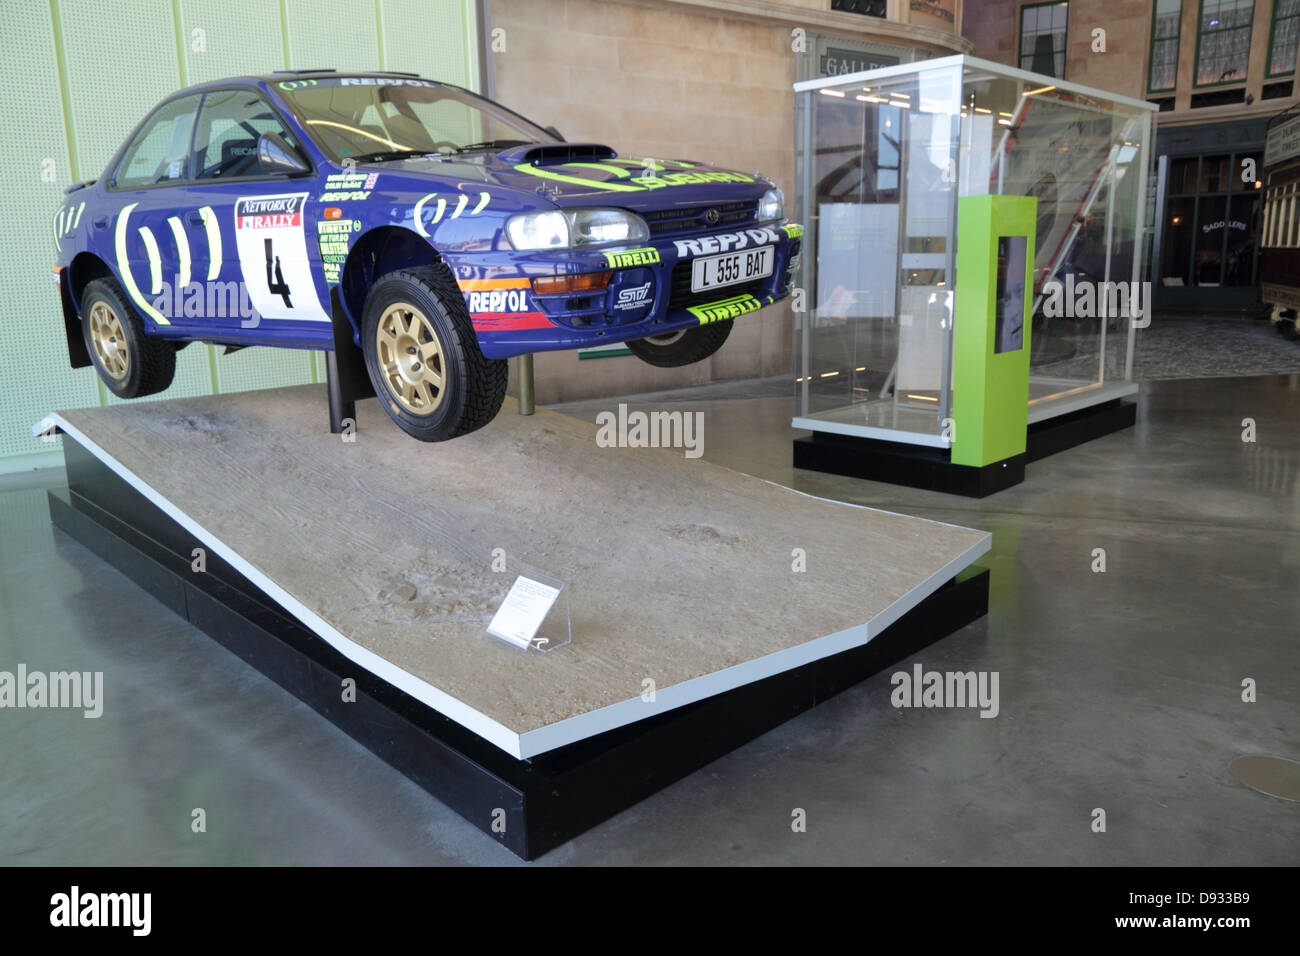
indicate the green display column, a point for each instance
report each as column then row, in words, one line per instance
column 991, row 325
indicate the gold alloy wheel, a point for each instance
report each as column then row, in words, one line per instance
column 411, row 358
column 109, row 341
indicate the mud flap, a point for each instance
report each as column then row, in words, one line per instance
column 78, row 357
column 345, row 370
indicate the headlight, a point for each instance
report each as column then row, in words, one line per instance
column 564, row 228
column 771, row 206
column 538, row 230
column 591, row 226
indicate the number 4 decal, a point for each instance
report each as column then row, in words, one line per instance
column 272, row 245
column 275, row 284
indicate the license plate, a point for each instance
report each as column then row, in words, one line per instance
column 714, row 272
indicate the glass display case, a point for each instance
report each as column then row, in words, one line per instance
column 882, row 158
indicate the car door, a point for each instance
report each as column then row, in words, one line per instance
column 143, row 236
column 263, row 225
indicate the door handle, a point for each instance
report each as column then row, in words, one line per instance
column 194, row 218
column 101, row 222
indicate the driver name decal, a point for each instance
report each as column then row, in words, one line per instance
column 341, row 187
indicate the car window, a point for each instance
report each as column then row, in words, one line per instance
column 157, row 153
column 230, row 124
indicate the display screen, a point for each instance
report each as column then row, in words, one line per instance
column 1010, row 304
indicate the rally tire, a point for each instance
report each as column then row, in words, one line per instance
column 130, row 362
column 693, row 345
column 428, row 301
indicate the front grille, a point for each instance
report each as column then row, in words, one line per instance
column 681, row 297
column 668, row 222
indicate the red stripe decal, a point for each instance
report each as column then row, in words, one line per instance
column 509, row 321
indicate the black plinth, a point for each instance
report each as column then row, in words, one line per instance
column 1066, row 431
column 547, row 800
column 917, row 466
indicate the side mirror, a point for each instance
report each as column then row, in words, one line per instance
column 274, row 155
column 554, row 132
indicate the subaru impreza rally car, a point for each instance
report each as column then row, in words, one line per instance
column 438, row 232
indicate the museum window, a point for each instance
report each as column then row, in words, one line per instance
column 1283, row 36
column 1223, row 41
column 868, row 8
column 1042, row 38
column 1166, row 17
column 1212, row 222
column 1218, row 97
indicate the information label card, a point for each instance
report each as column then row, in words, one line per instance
column 523, row 611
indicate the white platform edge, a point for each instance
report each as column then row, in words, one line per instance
column 539, row 741
column 709, row 685
column 870, row 431
column 1048, row 408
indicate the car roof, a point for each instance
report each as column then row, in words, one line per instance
column 278, row 76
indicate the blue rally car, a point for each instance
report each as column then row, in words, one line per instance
column 434, row 230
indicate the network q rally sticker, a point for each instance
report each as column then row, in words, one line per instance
column 272, row 247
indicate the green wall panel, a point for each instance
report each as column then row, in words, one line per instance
column 110, row 94
column 81, row 74
column 119, row 64
column 234, row 37
column 436, row 48
column 35, row 172
column 262, row 368
column 337, row 34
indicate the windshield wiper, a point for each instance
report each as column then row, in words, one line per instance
column 492, row 144
column 382, row 155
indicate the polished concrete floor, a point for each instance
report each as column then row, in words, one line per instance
column 1119, row 690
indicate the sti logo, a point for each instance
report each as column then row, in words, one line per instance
column 633, row 297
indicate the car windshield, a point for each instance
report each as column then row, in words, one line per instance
column 381, row 118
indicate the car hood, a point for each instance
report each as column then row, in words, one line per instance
column 586, row 174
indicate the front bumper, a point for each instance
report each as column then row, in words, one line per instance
column 650, row 293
